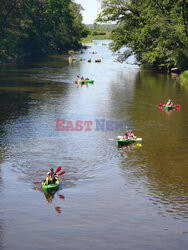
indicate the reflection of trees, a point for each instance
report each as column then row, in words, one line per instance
column 25, row 91
column 2, row 227
column 161, row 165
column 12, row 105
column 24, row 88
column 22, row 85
column 165, row 186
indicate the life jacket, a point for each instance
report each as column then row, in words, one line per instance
column 131, row 135
column 125, row 137
column 49, row 181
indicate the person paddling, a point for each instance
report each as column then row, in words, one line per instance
column 53, row 175
column 131, row 134
column 51, row 178
column 125, row 137
column 48, row 180
column 169, row 103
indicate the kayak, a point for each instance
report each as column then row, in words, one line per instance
column 51, row 187
column 85, row 81
column 122, row 142
column 75, row 59
column 170, row 107
column 72, row 59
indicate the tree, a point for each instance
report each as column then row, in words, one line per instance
column 28, row 26
column 155, row 31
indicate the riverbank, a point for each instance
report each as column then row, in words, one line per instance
column 184, row 78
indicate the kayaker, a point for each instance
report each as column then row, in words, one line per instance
column 51, row 178
column 169, row 103
column 125, row 137
column 51, row 172
column 52, row 175
column 131, row 134
column 48, row 180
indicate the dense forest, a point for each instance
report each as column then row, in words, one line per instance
column 33, row 26
column 155, row 31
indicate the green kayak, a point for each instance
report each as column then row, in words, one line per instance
column 85, row 81
column 50, row 188
column 169, row 107
column 122, row 142
column 72, row 59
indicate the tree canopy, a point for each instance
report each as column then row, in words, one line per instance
column 33, row 25
column 155, row 31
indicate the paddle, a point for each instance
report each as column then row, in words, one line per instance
column 58, row 209
column 62, row 173
column 58, row 169
column 163, row 105
column 61, row 196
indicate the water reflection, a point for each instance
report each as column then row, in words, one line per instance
column 2, row 222
column 33, row 95
column 168, row 111
column 159, row 169
column 131, row 147
column 51, row 196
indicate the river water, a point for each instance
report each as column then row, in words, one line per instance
column 110, row 197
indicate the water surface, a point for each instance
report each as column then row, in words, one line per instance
column 126, row 198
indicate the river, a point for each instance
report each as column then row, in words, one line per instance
column 110, row 197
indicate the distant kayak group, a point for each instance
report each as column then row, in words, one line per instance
column 72, row 59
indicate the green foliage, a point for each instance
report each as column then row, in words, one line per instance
column 184, row 78
column 156, row 31
column 97, row 32
column 28, row 26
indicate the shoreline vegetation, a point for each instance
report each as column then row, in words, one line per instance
column 184, row 78
column 98, row 32
column 34, row 26
column 155, row 32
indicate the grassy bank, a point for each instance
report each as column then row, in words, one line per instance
column 92, row 37
column 184, row 78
